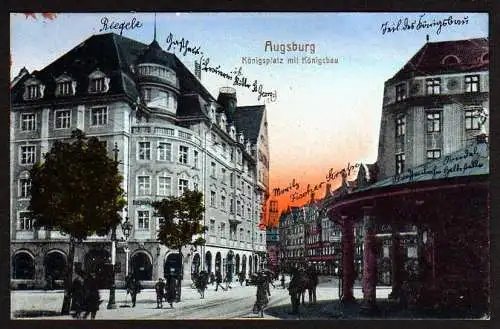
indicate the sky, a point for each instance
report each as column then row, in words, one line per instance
column 323, row 117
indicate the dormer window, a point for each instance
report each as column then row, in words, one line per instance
column 223, row 122
column 450, row 60
column 241, row 138
column 232, row 132
column 401, row 92
column 485, row 58
column 65, row 86
column 98, row 82
column 33, row 89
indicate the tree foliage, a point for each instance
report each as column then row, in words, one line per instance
column 182, row 220
column 76, row 190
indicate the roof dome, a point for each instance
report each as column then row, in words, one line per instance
column 154, row 54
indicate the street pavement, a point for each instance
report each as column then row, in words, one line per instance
column 236, row 303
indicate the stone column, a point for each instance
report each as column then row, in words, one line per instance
column 396, row 262
column 369, row 262
column 347, row 259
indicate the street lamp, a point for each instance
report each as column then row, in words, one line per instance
column 111, row 301
column 127, row 229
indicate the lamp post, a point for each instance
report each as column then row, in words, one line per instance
column 111, row 301
column 126, row 228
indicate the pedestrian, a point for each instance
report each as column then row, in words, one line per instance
column 218, row 280
column 133, row 287
column 77, row 297
column 92, row 299
column 212, row 278
column 229, row 279
column 283, row 280
column 201, row 283
column 170, row 288
column 160, row 293
column 294, row 290
column 241, row 277
column 261, row 296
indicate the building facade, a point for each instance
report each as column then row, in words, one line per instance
column 169, row 134
column 424, row 203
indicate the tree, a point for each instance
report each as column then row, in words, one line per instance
column 182, row 221
column 76, row 191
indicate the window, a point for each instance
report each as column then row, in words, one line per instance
column 33, row 91
column 471, row 83
column 144, row 151
column 231, row 206
column 238, row 207
column 24, row 188
column 97, row 85
column 64, row 88
column 28, row 122
column 223, row 202
column 99, row 116
column 27, row 155
column 195, row 158
column 164, row 185
column 231, row 152
column 213, row 169
column 231, row 179
column 401, row 92
column 249, row 236
column 223, row 175
column 24, row 223
column 183, row 186
column 433, row 154
column 241, row 234
column 400, row 126
column 143, row 185
column 164, row 151
column 212, row 198
column 472, row 120
column 146, row 95
column 433, row 86
column 143, row 220
column 223, row 230
column 183, row 154
column 433, row 122
column 400, row 163
column 62, row 119
column 212, row 226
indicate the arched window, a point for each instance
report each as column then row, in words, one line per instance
column 55, row 265
column 208, row 262
column 218, row 262
column 450, row 60
column 142, row 267
column 23, row 266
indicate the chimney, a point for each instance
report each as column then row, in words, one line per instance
column 327, row 190
column 427, row 38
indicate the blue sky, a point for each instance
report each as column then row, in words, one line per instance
column 324, row 116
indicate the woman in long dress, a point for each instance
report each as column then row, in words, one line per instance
column 262, row 299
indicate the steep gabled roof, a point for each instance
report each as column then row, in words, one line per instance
column 430, row 59
column 248, row 120
column 114, row 55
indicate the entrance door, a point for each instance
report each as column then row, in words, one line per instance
column 173, row 265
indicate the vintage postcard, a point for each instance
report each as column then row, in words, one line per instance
column 249, row 165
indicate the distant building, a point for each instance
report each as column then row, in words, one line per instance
column 171, row 135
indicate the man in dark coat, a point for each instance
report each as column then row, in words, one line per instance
column 91, row 296
column 77, row 297
column 294, row 290
column 160, row 293
column 218, row 280
column 133, row 287
column 241, row 277
column 212, row 278
column 171, row 286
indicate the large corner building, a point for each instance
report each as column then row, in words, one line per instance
column 169, row 134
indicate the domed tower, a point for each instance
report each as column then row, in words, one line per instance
column 157, row 79
column 227, row 99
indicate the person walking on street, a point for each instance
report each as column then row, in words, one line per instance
column 170, row 289
column 218, row 280
column 261, row 297
column 283, row 280
column 91, row 296
column 294, row 290
column 229, row 278
column 241, row 277
column 160, row 293
column 212, row 278
column 133, row 287
column 77, row 297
